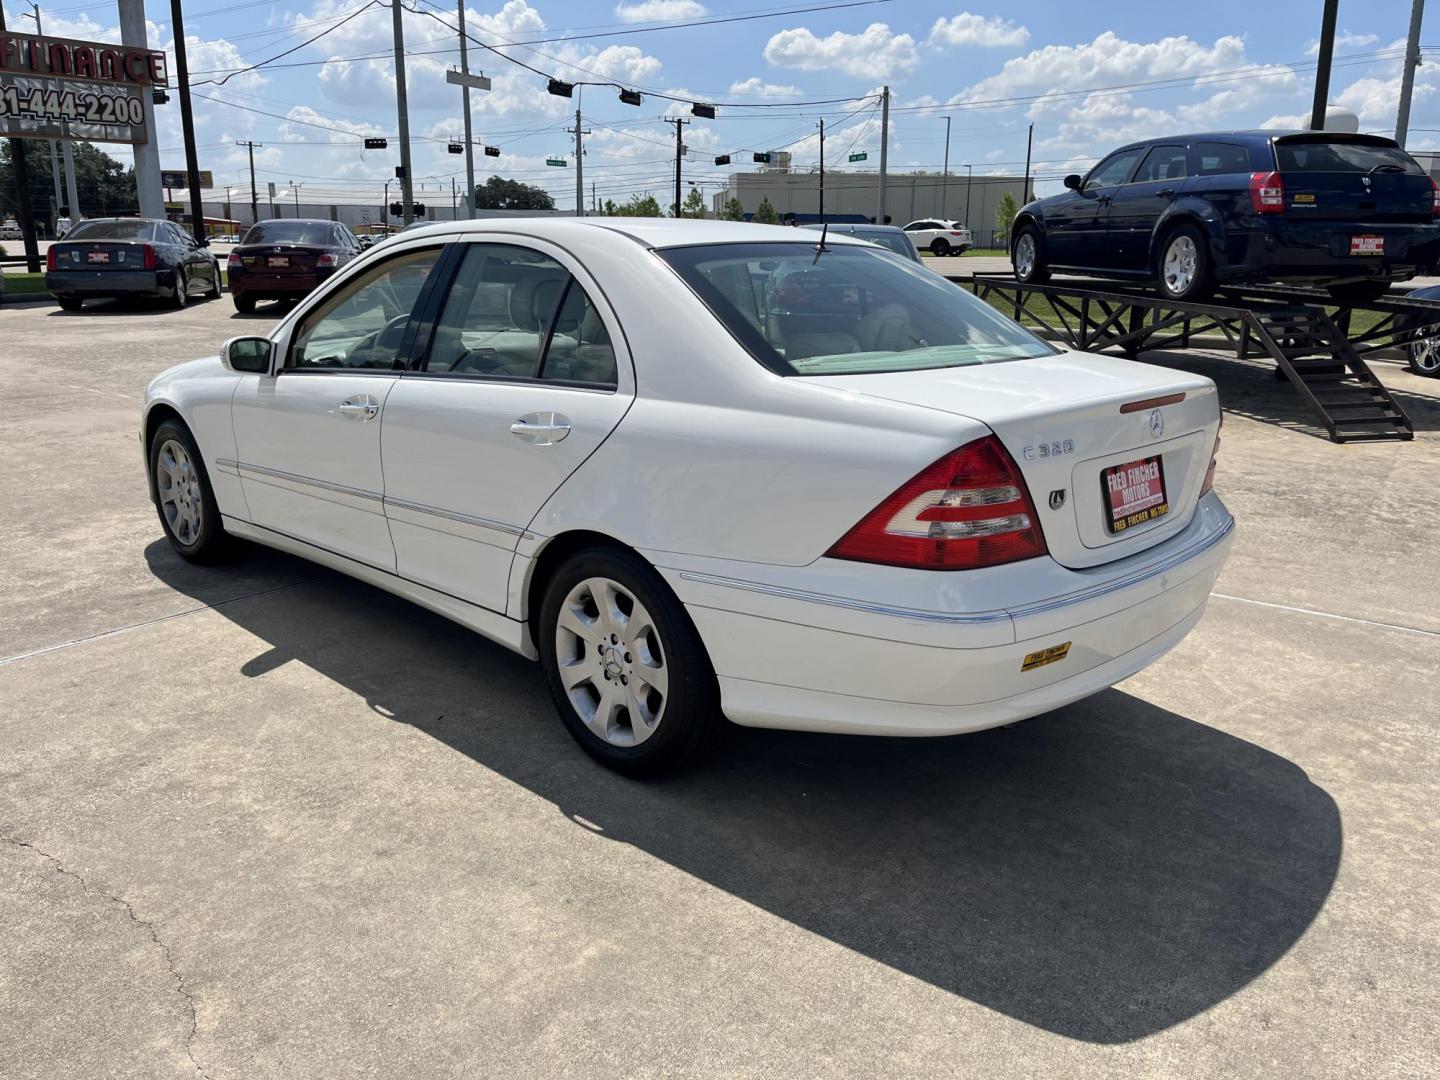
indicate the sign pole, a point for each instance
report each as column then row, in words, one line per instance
column 187, row 121
column 469, row 134
column 22, row 192
column 148, row 198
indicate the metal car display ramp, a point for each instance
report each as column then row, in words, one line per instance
column 1306, row 333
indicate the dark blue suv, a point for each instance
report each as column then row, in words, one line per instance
column 1352, row 212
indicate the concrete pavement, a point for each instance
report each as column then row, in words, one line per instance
column 263, row 821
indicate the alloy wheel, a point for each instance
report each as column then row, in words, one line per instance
column 611, row 662
column 1025, row 255
column 177, row 483
column 1425, row 354
column 1182, row 260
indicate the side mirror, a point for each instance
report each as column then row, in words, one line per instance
column 1073, row 181
column 206, row 241
column 247, row 354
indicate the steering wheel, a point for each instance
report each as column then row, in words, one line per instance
column 388, row 337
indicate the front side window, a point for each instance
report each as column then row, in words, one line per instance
column 852, row 310
column 1113, row 170
column 1163, row 163
column 362, row 325
column 514, row 313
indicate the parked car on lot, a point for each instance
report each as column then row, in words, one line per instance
column 123, row 257
column 286, row 258
column 1424, row 354
column 940, row 237
column 10, row 230
column 887, row 236
column 708, row 469
column 1351, row 212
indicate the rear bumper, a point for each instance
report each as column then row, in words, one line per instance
column 1320, row 251
column 259, row 285
column 103, row 283
column 819, row 663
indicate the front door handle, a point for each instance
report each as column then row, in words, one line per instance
column 541, row 428
column 361, row 407
column 1165, row 193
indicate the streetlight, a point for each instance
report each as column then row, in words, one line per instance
column 294, row 187
column 968, row 174
column 945, row 172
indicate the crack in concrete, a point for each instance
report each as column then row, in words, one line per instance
column 148, row 927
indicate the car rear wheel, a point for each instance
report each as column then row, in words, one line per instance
column 625, row 666
column 1183, row 269
column 183, row 496
column 182, row 294
column 1358, row 292
column 214, row 293
column 244, row 304
column 939, row 246
column 1424, row 354
column 1029, row 258
column 70, row 303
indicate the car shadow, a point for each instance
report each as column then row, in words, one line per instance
column 266, row 310
column 1103, row 872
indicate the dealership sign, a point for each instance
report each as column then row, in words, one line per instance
column 55, row 88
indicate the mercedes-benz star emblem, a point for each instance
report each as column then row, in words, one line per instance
column 1157, row 423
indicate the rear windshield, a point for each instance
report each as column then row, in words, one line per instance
column 896, row 242
column 290, row 232
column 112, row 230
column 1337, row 156
column 846, row 310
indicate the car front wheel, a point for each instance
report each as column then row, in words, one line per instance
column 181, row 488
column 1424, row 354
column 625, row 666
column 1028, row 257
column 1183, row 269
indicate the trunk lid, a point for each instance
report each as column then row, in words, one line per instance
column 280, row 260
column 99, row 255
column 1360, row 179
column 1061, row 419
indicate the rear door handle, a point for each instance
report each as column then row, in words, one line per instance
column 361, row 407
column 541, row 428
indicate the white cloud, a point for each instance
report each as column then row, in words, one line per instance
column 516, row 17
column 874, row 54
column 624, row 63
column 659, row 11
column 1344, row 40
column 968, row 29
column 758, row 87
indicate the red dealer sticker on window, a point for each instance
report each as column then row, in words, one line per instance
column 1136, row 493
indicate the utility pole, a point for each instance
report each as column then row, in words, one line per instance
column 679, row 123
column 147, row 154
column 254, row 196
column 402, row 107
column 884, row 151
column 187, row 123
column 1407, row 79
column 1322, row 65
column 822, row 170
column 22, row 192
column 469, row 146
column 454, row 202
column 969, row 175
column 945, row 183
column 579, row 166
column 1025, row 190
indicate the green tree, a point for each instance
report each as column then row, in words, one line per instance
column 497, row 193
column 638, row 206
column 1004, row 218
column 734, row 211
column 765, row 213
column 695, row 204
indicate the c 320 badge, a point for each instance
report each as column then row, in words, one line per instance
column 1049, row 449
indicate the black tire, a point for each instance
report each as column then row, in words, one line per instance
column 690, row 720
column 181, row 296
column 244, row 304
column 1358, row 292
column 211, row 543
column 1201, row 282
column 940, row 246
column 1038, row 272
column 214, row 293
column 70, row 303
column 1423, row 355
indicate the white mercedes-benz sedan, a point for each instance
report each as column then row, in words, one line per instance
column 706, row 470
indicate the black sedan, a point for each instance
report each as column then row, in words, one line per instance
column 119, row 257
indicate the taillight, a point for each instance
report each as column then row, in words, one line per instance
column 1214, row 452
column 969, row 509
column 327, row 259
column 52, row 260
column 1267, row 193
column 1434, row 198
column 149, row 256
column 953, row 233
column 235, row 262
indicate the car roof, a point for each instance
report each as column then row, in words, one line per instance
column 852, row 227
column 297, row 220
column 1251, row 136
column 649, row 232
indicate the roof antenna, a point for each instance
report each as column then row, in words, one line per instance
column 820, row 248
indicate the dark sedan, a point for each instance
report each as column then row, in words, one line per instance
column 887, row 236
column 118, row 257
column 284, row 259
column 1189, row 212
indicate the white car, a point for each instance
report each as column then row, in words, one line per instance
column 940, row 237
column 708, row 469
column 10, row 230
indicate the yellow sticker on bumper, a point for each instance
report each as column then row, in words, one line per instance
column 1051, row 655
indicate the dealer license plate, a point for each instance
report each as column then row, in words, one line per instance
column 99, row 256
column 278, row 260
column 1367, row 245
column 1134, row 493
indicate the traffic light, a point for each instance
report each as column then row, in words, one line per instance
column 561, row 89
column 629, row 97
column 399, row 172
column 418, row 209
column 373, row 143
column 492, row 151
column 723, row 159
column 762, row 159
column 397, row 209
column 705, row 111
column 456, row 148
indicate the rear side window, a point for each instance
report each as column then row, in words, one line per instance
column 1163, row 163
column 1346, row 157
column 1213, row 158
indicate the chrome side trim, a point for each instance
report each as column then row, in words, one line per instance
column 979, row 617
column 455, row 515
column 231, row 467
column 309, row 481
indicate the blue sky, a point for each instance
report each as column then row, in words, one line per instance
column 1088, row 76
